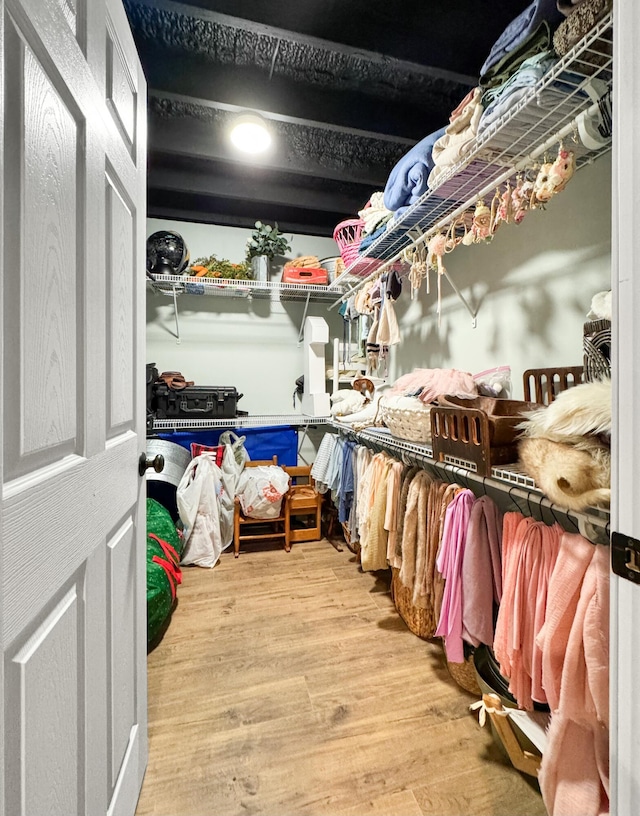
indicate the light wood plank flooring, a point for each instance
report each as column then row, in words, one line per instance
column 287, row 685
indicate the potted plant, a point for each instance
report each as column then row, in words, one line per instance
column 264, row 244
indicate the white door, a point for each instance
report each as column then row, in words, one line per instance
column 72, row 553
column 625, row 509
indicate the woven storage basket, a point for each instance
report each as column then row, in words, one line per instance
column 354, row 546
column 348, row 235
column 419, row 621
column 597, row 350
column 464, row 673
column 411, row 423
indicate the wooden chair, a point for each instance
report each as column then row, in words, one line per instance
column 274, row 528
column 303, row 501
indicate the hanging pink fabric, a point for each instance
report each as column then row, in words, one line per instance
column 574, row 557
column 449, row 563
column 574, row 775
column 481, row 572
column 529, row 552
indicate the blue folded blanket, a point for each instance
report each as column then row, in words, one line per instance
column 408, row 179
column 497, row 101
column 373, row 236
column 522, row 27
column 520, row 84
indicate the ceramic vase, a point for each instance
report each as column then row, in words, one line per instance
column 260, row 267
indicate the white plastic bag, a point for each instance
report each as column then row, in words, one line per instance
column 495, row 382
column 231, row 471
column 198, row 505
column 260, row 491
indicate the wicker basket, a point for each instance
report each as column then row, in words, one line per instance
column 354, row 546
column 348, row 235
column 419, row 621
column 597, row 350
column 465, row 675
column 412, row 422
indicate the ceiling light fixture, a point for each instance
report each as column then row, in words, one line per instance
column 250, row 134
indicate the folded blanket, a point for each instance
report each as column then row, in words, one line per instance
column 538, row 41
column 521, row 28
column 375, row 215
column 458, row 138
column 369, row 239
column 408, row 179
column 429, row 383
column 497, row 101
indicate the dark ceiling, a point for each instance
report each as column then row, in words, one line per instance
column 346, row 85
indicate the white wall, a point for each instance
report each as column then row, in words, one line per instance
column 534, row 284
column 251, row 344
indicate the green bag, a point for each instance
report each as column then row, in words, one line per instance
column 164, row 546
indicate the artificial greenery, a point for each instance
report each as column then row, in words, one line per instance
column 266, row 240
column 220, row 268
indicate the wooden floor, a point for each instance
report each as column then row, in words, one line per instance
column 287, row 685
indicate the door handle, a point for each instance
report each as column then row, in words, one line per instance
column 157, row 463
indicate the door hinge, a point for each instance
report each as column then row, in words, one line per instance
column 625, row 557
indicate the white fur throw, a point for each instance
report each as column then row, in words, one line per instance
column 562, row 450
column 570, row 476
column 584, row 410
column 600, row 306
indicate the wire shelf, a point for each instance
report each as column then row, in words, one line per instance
column 550, row 111
column 225, row 287
column 511, row 475
column 258, row 420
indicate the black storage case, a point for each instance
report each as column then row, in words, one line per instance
column 196, row 402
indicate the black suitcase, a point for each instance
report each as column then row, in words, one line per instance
column 196, row 402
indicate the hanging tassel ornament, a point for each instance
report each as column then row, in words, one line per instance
column 480, row 226
column 553, row 178
column 504, row 214
column 419, row 270
column 437, row 247
column 520, row 200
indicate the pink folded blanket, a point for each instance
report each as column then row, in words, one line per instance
column 430, row 383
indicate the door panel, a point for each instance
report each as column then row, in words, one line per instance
column 72, row 557
column 121, row 88
column 48, row 309
column 70, row 13
column 40, row 316
column 42, row 712
column 122, row 663
column 120, row 280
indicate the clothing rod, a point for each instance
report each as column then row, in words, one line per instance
column 594, row 528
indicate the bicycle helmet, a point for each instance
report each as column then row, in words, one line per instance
column 167, row 253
